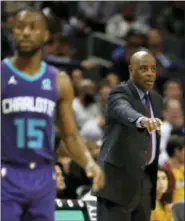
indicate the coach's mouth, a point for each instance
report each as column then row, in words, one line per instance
column 149, row 82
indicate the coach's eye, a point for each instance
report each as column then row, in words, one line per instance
column 143, row 68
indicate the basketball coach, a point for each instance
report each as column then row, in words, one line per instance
column 130, row 150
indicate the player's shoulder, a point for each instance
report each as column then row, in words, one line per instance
column 63, row 77
column 4, row 62
column 5, row 68
column 64, row 84
column 50, row 68
column 60, row 75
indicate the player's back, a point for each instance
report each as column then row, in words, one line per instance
column 28, row 113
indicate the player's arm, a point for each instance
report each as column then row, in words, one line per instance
column 74, row 143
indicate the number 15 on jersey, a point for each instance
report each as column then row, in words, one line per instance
column 29, row 133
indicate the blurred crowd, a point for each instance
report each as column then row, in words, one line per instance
column 154, row 26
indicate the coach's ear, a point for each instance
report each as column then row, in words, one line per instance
column 130, row 71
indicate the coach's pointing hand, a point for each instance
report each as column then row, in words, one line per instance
column 94, row 171
column 151, row 124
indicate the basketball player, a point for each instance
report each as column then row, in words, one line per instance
column 33, row 93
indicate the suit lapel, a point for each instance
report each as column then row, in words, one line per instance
column 155, row 104
column 137, row 101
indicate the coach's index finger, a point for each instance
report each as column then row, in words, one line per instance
column 159, row 123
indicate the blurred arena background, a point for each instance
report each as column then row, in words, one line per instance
column 93, row 41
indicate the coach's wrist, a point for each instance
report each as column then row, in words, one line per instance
column 140, row 122
column 143, row 122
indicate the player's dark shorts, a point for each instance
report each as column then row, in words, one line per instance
column 28, row 192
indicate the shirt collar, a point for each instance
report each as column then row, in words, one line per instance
column 140, row 92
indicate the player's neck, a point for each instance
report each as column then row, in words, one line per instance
column 29, row 65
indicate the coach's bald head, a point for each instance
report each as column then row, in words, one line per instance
column 143, row 70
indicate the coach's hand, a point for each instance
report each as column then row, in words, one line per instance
column 95, row 172
column 151, row 124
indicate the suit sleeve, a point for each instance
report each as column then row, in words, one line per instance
column 120, row 109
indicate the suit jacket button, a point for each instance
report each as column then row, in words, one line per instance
column 142, row 167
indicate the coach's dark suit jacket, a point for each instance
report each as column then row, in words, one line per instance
column 123, row 152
